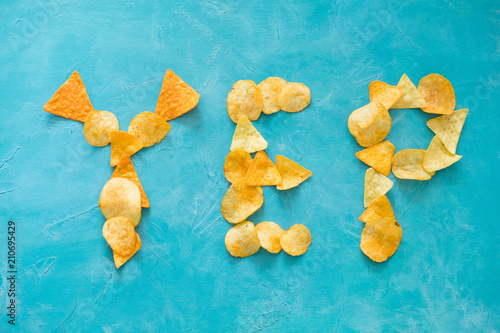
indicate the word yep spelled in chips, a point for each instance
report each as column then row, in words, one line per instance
column 123, row 196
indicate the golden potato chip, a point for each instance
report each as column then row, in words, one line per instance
column 262, row 171
column 296, row 240
column 293, row 97
column 98, row 126
column 241, row 201
column 270, row 88
column 70, row 100
column 380, row 239
column 378, row 157
column 125, row 169
column 292, row 174
column 242, row 240
column 236, row 165
column 408, row 164
column 121, row 197
column 437, row 157
column 411, row 97
column 120, row 260
column 384, row 93
column 123, row 143
column 119, row 233
column 438, row 93
column 379, row 208
column 176, row 97
column 448, row 128
column 244, row 99
column 370, row 124
column 247, row 138
column 376, row 184
column 149, row 128
column 269, row 236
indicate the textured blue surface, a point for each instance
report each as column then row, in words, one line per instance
column 445, row 275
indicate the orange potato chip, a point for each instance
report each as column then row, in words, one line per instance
column 448, row 128
column 241, row 201
column 294, row 97
column 120, row 260
column 244, row 99
column 149, row 128
column 379, row 208
column 292, row 174
column 408, row 164
column 384, row 93
column 236, row 165
column 121, row 197
column 411, row 97
column 378, row 157
column 262, row 171
column 270, row 88
column 376, row 184
column 125, row 169
column 120, row 235
column 247, row 138
column 176, row 97
column 380, row 239
column 370, row 124
column 438, row 93
column 98, row 126
column 296, row 240
column 70, row 100
column 437, row 157
column 123, row 143
column 242, row 240
column 269, row 236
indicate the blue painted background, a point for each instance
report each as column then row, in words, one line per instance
column 445, row 275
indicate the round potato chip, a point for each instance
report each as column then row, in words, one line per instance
column 119, row 232
column 408, row 164
column 98, row 126
column 121, row 197
column 149, row 128
column 296, row 240
column 242, row 240
column 245, row 98
column 370, row 124
column 236, row 165
column 270, row 88
column 438, row 93
column 380, row 239
column 269, row 236
column 293, row 97
column 241, row 201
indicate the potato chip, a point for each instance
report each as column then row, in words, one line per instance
column 119, row 233
column 236, row 165
column 269, row 236
column 244, row 99
column 379, row 208
column 293, row 97
column 125, row 169
column 370, row 124
column 438, row 93
column 437, row 157
column 176, row 97
column 70, row 100
column 247, row 138
column 262, row 171
column 380, row 239
column 408, row 164
column 98, row 126
column 149, row 128
column 292, row 173
column 411, row 97
column 242, row 240
column 120, row 260
column 296, row 240
column 378, row 157
column 270, row 88
column 241, row 201
column 121, row 197
column 376, row 184
column 123, row 143
column 448, row 128
column 384, row 93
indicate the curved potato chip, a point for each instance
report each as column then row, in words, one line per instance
column 370, row 124
column 241, row 201
column 98, row 126
column 119, row 233
column 236, row 165
column 411, row 97
column 437, row 157
column 292, row 173
column 294, row 97
column 123, row 143
column 296, row 240
column 380, row 239
column 448, row 128
column 270, row 88
column 408, row 164
column 384, row 93
column 242, row 240
column 125, row 169
column 438, row 93
column 262, row 171
column 378, row 157
column 245, row 98
column 376, row 184
column 269, row 236
column 247, row 138
column 120, row 260
column 149, row 128
column 121, row 197
column 379, row 208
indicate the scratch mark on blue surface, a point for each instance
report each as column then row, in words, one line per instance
column 65, row 320
column 218, row 219
column 71, row 217
column 160, row 258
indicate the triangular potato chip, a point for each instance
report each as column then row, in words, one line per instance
column 437, row 157
column 149, row 128
column 292, row 173
column 376, row 184
column 71, row 100
column 384, row 93
column 176, row 97
column 120, row 260
column 381, row 238
column 408, row 164
column 247, row 138
column 379, row 208
column 411, row 97
column 236, row 165
column 438, row 94
column 125, row 169
column 448, row 128
column 123, row 143
column 378, row 157
column 262, row 171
